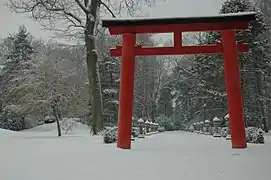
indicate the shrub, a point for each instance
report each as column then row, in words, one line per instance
column 166, row 122
column 11, row 120
column 254, row 135
column 67, row 124
column 49, row 119
column 110, row 135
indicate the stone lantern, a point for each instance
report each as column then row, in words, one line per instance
column 216, row 122
column 198, row 127
column 156, row 127
column 141, row 125
column 202, row 127
column 151, row 127
column 194, row 127
column 227, row 118
column 147, row 126
column 207, row 127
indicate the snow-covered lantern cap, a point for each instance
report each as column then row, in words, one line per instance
column 201, row 122
column 140, row 120
column 216, row 119
column 147, row 122
column 227, row 116
column 206, row 121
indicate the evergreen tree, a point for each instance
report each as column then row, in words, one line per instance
column 16, row 62
column 255, row 64
column 254, row 68
column 265, row 7
column 110, row 69
column 209, row 93
column 21, row 51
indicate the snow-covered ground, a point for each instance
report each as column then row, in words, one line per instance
column 38, row 154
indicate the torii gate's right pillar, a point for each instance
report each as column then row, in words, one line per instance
column 233, row 88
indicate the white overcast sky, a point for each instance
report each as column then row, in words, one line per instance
column 9, row 22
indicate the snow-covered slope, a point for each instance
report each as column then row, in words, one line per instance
column 51, row 129
column 6, row 133
column 169, row 155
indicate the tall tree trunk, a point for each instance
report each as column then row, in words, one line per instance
column 23, row 122
column 56, row 115
column 153, row 111
column 1, row 105
column 93, row 68
column 261, row 101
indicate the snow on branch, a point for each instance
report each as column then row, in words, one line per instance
column 108, row 9
column 50, row 13
column 82, row 6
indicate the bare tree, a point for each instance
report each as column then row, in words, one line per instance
column 79, row 17
column 41, row 90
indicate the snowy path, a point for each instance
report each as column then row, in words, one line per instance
column 170, row 155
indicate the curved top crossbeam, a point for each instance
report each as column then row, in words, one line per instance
column 178, row 25
column 238, row 21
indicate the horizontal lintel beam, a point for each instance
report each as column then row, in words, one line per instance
column 170, row 28
column 184, row 50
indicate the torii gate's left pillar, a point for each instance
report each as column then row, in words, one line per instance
column 126, row 98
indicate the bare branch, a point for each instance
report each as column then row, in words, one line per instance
column 73, row 16
column 107, row 7
column 82, row 6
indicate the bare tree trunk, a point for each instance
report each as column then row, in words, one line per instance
column 55, row 98
column 93, row 68
column 153, row 111
column 56, row 115
column 23, row 122
column 1, row 105
column 261, row 102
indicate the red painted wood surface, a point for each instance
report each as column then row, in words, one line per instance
column 169, row 28
column 126, row 91
column 234, row 91
column 153, row 51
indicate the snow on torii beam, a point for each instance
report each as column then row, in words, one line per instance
column 236, row 21
column 227, row 24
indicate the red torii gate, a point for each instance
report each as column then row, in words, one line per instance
column 227, row 24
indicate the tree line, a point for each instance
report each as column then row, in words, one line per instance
column 203, row 93
column 40, row 79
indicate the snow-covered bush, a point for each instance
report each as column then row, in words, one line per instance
column 110, row 135
column 166, row 122
column 67, row 124
column 161, row 129
column 49, row 119
column 10, row 119
column 189, row 128
column 254, row 135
